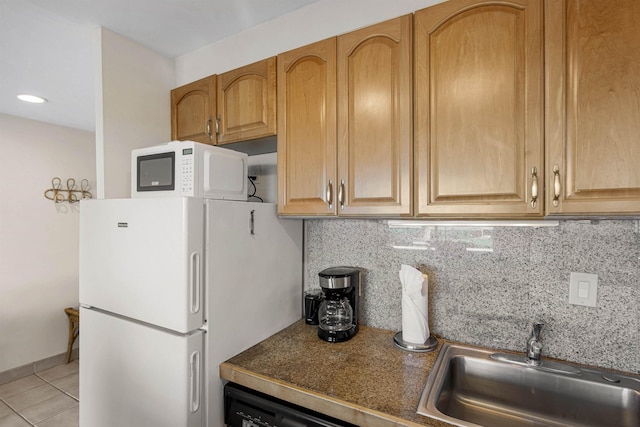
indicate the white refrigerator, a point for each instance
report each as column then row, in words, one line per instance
column 169, row 289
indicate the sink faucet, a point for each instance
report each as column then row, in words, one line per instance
column 534, row 346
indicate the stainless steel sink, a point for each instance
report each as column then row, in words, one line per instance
column 474, row 387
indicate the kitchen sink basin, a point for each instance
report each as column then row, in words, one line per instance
column 469, row 386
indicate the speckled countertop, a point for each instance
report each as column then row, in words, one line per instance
column 366, row 381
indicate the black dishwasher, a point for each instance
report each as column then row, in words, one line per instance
column 244, row 407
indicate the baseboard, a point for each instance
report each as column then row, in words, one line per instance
column 34, row 367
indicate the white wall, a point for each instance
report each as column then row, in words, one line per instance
column 38, row 238
column 317, row 21
column 263, row 167
column 133, row 86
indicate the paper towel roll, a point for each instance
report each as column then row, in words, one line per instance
column 415, row 316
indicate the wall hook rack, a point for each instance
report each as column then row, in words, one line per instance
column 70, row 194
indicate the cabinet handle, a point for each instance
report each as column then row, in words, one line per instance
column 534, row 187
column 556, row 185
column 209, row 128
column 218, row 126
column 330, row 194
column 341, row 194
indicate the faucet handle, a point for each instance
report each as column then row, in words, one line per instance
column 534, row 352
column 537, row 328
column 534, row 346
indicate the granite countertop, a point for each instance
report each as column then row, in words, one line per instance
column 366, row 381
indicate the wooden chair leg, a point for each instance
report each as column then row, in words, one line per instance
column 74, row 329
column 71, row 340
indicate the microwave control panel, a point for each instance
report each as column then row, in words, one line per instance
column 187, row 171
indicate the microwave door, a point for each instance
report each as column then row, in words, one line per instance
column 156, row 172
column 142, row 259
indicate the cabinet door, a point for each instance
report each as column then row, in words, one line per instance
column 375, row 140
column 307, row 130
column 593, row 113
column 193, row 111
column 247, row 102
column 478, row 130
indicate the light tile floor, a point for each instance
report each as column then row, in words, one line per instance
column 46, row 399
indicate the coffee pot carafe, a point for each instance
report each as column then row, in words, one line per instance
column 338, row 312
column 335, row 314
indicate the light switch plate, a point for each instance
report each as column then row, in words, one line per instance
column 583, row 289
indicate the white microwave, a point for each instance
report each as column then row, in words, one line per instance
column 189, row 169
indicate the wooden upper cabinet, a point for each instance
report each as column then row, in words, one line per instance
column 247, row 102
column 307, row 130
column 193, row 111
column 593, row 113
column 375, row 116
column 361, row 86
column 478, row 100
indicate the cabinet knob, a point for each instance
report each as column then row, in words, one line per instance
column 341, row 194
column 329, row 194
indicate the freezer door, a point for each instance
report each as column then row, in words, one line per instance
column 254, row 272
column 132, row 375
column 142, row 258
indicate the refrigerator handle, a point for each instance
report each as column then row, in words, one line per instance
column 194, row 389
column 194, row 278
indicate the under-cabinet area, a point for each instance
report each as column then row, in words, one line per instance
column 465, row 109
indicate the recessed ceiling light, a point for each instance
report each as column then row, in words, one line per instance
column 31, row 98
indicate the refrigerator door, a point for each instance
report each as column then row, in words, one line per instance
column 142, row 258
column 133, row 375
column 254, row 272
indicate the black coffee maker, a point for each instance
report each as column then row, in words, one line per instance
column 338, row 312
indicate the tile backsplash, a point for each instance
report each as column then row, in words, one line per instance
column 487, row 284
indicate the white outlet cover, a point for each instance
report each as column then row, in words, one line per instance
column 583, row 289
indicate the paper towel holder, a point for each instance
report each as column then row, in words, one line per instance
column 430, row 345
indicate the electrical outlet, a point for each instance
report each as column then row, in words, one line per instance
column 583, row 289
column 255, row 170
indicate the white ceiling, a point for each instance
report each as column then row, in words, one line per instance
column 47, row 46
